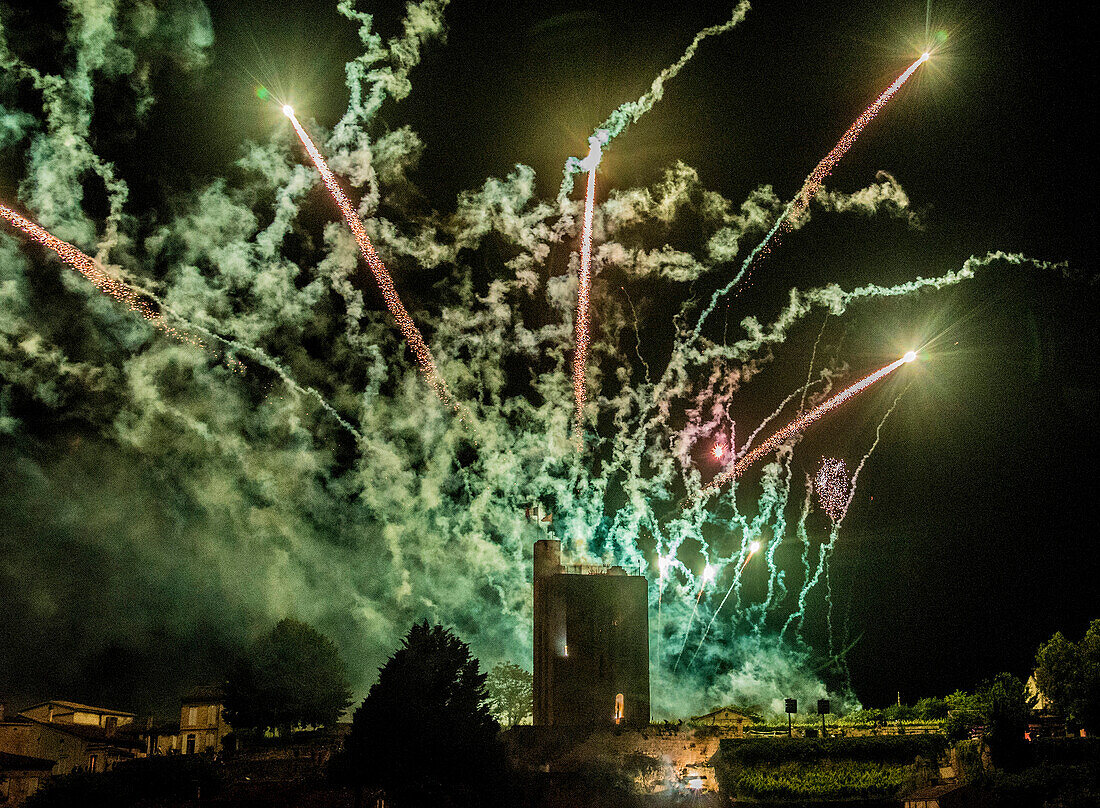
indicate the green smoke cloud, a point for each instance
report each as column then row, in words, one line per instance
column 159, row 502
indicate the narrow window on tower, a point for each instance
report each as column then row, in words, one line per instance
column 618, row 708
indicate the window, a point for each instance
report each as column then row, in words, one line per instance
column 618, row 708
column 91, row 762
column 190, row 744
column 112, row 722
column 192, row 716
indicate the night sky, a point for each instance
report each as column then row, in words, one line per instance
column 159, row 507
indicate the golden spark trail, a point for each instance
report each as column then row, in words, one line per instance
column 90, row 269
column 800, row 423
column 580, row 326
column 809, row 188
column 825, row 167
column 381, row 275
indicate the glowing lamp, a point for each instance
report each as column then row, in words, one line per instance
column 909, row 356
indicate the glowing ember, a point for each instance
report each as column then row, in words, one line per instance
column 385, row 283
column 831, row 485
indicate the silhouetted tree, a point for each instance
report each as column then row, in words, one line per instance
column 291, row 677
column 424, row 733
column 1068, row 673
column 510, row 692
column 1007, row 708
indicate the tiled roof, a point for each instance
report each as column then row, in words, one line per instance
column 77, row 707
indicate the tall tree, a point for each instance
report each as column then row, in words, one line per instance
column 510, row 690
column 1007, row 707
column 1068, row 673
column 291, row 677
column 424, row 733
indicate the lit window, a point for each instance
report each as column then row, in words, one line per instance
column 192, row 716
column 618, row 708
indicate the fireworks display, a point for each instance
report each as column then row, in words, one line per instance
column 90, row 269
column 608, row 407
column 810, row 186
column 412, row 334
column 831, row 485
column 826, row 166
column 584, row 282
column 800, row 424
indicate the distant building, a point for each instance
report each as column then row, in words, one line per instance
column 1042, row 703
column 728, row 718
column 202, row 725
column 70, row 712
column 73, row 736
column 591, row 643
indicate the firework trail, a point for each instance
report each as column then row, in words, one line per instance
column 831, row 485
column 707, row 577
column 96, row 274
column 825, row 549
column 580, row 327
column 631, row 111
column 139, row 303
column 754, row 547
column 381, row 275
column 803, row 421
column 826, row 166
column 811, row 185
column 813, row 358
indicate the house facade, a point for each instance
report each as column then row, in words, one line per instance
column 202, row 723
column 726, row 717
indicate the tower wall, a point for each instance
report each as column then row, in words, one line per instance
column 591, row 644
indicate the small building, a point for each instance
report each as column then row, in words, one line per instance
column 202, row 723
column 20, row 776
column 70, row 712
column 1042, row 703
column 164, row 738
column 71, row 746
column 728, row 718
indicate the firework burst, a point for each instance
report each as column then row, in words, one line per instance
column 831, row 485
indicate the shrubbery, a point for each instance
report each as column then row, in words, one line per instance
column 142, row 782
column 888, row 749
column 841, row 780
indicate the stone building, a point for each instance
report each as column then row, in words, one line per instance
column 70, row 712
column 591, row 643
column 202, row 724
column 72, row 736
column 728, row 718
